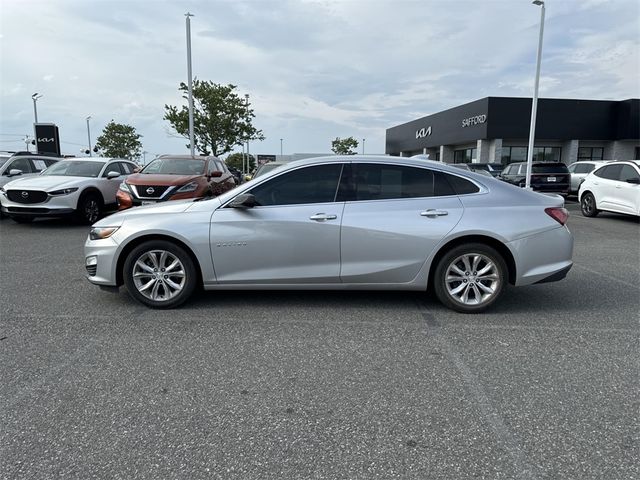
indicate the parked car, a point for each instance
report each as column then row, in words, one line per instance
column 15, row 165
column 580, row 170
column 237, row 174
column 614, row 187
column 547, row 177
column 175, row 177
column 340, row 222
column 84, row 187
column 468, row 168
column 267, row 167
column 23, row 164
column 494, row 169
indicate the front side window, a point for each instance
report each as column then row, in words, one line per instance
column 21, row 164
column 583, row 167
column 75, row 168
column 314, row 184
column 112, row 167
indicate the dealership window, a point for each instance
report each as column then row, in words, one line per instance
column 590, row 153
column 540, row 154
column 637, row 155
column 464, row 156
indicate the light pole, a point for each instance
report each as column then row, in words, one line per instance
column 35, row 98
column 363, row 145
column 144, row 157
column 280, row 149
column 89, row 135
column 534, row 103
column 191, row 137
column 246, row 103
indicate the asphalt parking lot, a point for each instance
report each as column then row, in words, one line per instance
column 318, row 384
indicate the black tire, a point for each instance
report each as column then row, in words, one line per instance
column 21, row 219
column 588, row 205
column 161, row 282
column 89, row 208
column 474, row 285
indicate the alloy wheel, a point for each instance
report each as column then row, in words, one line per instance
column 159, row 275
column 472, row 279
column 91, row 210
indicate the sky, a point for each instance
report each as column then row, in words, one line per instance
column 314, row 69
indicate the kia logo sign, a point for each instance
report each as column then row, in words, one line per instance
column 150, row 191
column 46, row 140
column 478, row 119
column 423, row 132
column 25, row 194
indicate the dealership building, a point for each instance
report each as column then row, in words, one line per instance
column 496, row 130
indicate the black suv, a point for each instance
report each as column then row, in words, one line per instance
column 548, row 177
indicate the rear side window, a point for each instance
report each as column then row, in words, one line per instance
column 550, row 168
column 461, row 186
column 610, row 172
column 628, row 172
column 386, row 182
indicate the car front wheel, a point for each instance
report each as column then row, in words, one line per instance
column 588, row 205
column 470, row 278
column 160, row 274
column 89, row 207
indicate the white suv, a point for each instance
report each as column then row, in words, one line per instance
column 614, row 187
column 84, row 187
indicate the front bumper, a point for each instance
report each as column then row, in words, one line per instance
column 51, row 207
column 100, row 261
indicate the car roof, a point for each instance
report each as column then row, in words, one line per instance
column 188, row 157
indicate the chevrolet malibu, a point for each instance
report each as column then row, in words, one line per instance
column 375, row 223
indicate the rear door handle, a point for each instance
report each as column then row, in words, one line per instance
column 321, row 217
column 432, row 213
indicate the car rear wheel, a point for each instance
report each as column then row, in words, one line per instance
column 89, row 208
column 470, row 278
column 160, row 274
column 588, row 205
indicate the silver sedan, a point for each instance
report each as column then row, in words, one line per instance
column 341, row 222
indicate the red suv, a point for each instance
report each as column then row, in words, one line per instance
column 175, row 177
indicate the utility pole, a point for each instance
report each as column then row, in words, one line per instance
column 190, row 80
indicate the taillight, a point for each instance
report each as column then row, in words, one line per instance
column 559, row 214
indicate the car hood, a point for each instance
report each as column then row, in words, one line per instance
column 46, row 182
column 132, row 214
column 160, row 179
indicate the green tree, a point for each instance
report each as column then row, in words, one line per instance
column 221, row 119
column 119, row 140
column 344, row 146
column 235, row 160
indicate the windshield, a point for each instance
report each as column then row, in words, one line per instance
column 75, row 168
column 267, row 167
column 550, row 168
column 175, row 166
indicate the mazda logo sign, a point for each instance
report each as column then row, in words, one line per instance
column 150, row 191
column 25, row 194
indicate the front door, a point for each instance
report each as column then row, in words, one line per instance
column 291, row 237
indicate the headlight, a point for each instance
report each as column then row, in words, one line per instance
column 124, row 187
column 189, row 187
column 64, row 191
column 100, row 233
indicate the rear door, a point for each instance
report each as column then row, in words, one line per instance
column 628, row 194
column 394, row 216
column 605, row 191
column 292, row 237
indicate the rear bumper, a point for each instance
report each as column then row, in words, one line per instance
column 545, row 256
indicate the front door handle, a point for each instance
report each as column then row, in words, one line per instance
column 432, row 213
column 321, row 217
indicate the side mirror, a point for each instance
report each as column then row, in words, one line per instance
column 14, row 171
column 216, row 174
column 113, row 174
column 634, row 180
column 246, row 200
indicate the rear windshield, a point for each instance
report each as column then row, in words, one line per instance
column 175, row 166
column 550, row 168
